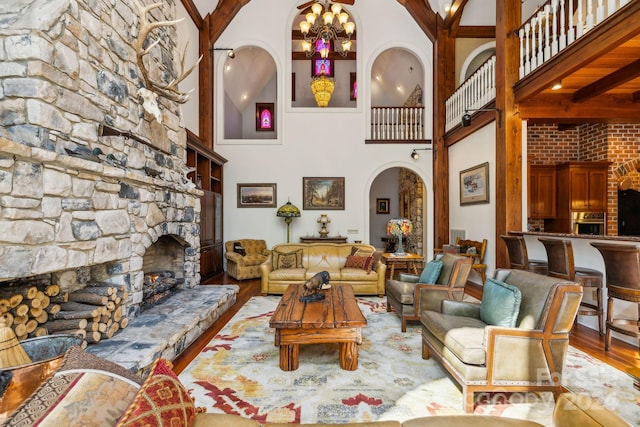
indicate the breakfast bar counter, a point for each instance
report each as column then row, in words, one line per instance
column 587, row 256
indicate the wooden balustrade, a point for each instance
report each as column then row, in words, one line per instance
column 397, row 123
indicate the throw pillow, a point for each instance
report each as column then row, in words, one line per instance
column 431, row 272
column 362, row 262
column 367, row 252
column 500, row 304
column 291, row 259
column 91, row 398
column 161, row 401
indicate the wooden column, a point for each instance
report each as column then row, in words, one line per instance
column 205, row 85
column 444, row 84
column 508, row 136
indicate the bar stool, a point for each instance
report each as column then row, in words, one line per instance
column 561, row 265
column 622, row 265
column 518, row 258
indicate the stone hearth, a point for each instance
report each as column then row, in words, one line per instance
column 167, row 328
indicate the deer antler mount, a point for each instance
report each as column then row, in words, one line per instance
column 152, row 88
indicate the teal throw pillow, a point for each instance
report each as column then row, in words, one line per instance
column 500, row 304
column 431, row 272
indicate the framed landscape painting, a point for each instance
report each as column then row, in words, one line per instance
column 257, row 195
column 323, row 193
column 474, row 185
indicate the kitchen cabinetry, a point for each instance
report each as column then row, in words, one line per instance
column 582, row 187
column 542, row 191
column 208, row 177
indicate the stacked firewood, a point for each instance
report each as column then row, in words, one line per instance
column 94, row 312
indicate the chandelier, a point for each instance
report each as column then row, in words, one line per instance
column 326, row 22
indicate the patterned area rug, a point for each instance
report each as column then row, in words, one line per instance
column 238, row 373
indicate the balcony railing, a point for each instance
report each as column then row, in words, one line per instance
column 556, row 25
column 397, row 123
column 478, row 90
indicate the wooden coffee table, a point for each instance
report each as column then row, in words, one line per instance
column 336, row 319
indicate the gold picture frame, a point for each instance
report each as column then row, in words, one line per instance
column 474, row 185
column 382, row 206
column 323, row 193
column 257, row 195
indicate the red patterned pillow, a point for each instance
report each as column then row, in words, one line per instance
column 161, row 401
column 363, row 262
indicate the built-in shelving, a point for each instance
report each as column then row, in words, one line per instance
column 208, row 177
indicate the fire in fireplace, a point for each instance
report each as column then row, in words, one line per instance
column 158, row 287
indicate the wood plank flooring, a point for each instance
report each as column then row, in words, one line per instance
column 622, row 356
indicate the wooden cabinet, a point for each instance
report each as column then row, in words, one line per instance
column 208, row 176
column 582, row 186
column 542, row 191
column 588, row 188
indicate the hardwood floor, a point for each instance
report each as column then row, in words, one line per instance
column 622, row 356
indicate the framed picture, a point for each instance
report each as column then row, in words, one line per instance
column 257, row 195
column 322, row 66
column 382, row 206
column 474, row 185
column 353, row 87
column 265, row 117
column 323, row 193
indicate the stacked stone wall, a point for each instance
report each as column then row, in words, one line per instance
column 88, row 179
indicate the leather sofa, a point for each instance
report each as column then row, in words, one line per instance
column 245, row 266
column 312, row 258
column 570, row 410
column 516, row 339
column 83, row 389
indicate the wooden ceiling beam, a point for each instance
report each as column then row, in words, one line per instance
column 223, row 14
column 300, row 56
column 455, row 13
column 297, row 35
column 476, row 32
column 192, row 10
column 615, row 30
column 425, row 17
column 635, row 96
column 560, row 108
column 608, row 82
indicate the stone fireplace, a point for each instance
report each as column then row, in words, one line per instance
column 92, row 187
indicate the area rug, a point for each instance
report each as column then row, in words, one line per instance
column 238, row 373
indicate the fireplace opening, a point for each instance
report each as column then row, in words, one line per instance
column 163, row 268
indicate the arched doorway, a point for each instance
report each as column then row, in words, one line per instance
column 407, row 198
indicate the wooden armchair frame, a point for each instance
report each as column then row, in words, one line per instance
column 552, row 336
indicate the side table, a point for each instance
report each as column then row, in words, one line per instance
column 406, row 262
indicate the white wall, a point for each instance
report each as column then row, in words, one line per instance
column 479, row 220
column 316, row 142
column 188, row 38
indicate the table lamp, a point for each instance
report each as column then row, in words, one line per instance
column 399, row 227
column 323, row 221
column 288, row 212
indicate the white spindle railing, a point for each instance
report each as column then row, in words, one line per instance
column 397, row 123
column 477, row 91
column 555, row 26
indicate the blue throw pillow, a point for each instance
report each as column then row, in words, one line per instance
column 431, row 272
column 500, row 304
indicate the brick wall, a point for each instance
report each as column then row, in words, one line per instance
column 617, row 143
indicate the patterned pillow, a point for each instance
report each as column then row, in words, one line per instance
column 362, row 262
column 291, row 259
column 161, row 401
column 79, row 398
column 368, row 252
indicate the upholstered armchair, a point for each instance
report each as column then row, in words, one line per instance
column 245, row 266
column 515, row 340
column 411, row 294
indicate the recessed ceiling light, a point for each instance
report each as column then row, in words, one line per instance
column 556, row 85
